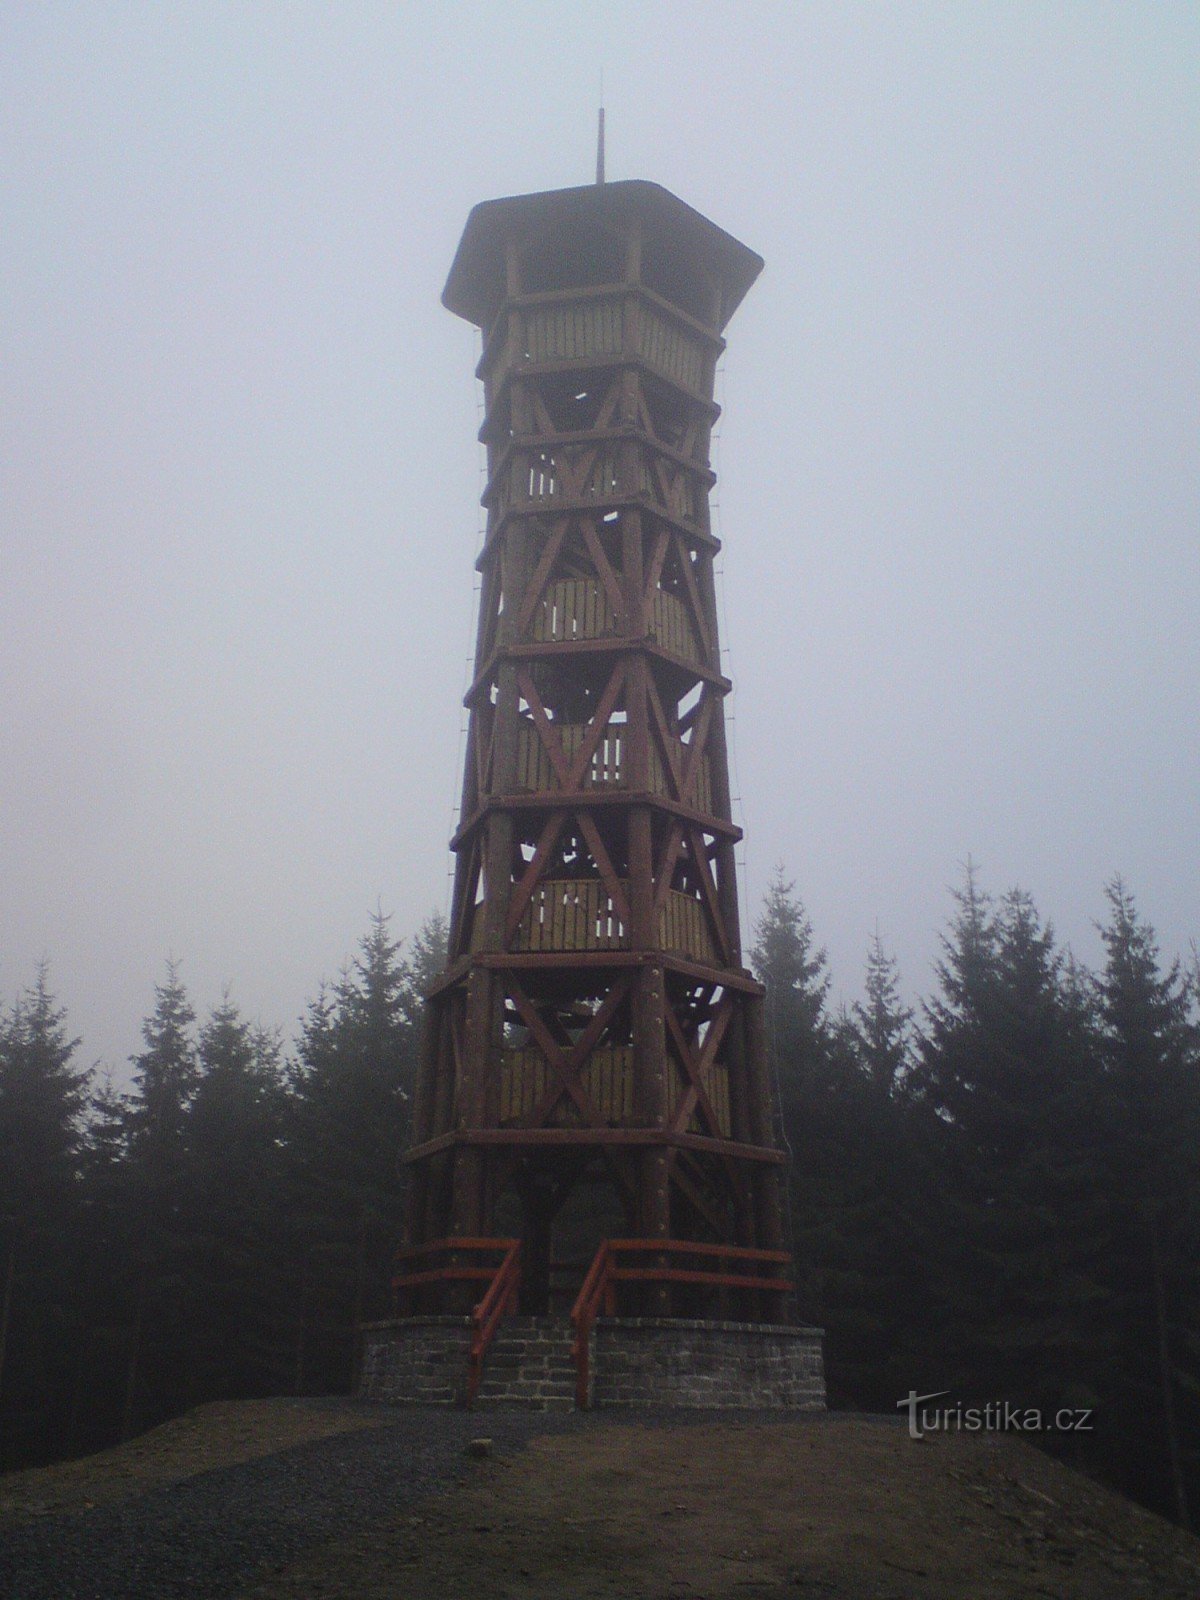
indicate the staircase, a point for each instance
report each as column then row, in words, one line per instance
column 529, row 1363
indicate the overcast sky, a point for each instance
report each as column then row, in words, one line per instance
column 239, row 478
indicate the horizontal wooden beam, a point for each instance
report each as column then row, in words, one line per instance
column 737, row 978
column 592, row 507
column 452, row 975
column 608, row 1138
column 598, row 797
column 520, row 960
column 568, row 649
column 615, row 434
column 568, row 366
column 697, row 1247
column 715, row 1280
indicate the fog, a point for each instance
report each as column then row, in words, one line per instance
column 239, row 478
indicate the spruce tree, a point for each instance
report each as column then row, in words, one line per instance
column 351, row 1087
column 110, row 1235
column 164, row 1075
column 1152, row 1061
column 952, row 1042
column 881, row 1026
column 42, row 1098
column 234, row 1212
column 424, row 966
column 818, row 1082
column 1005, row 1069
column 793, row 970
column 164, row 1079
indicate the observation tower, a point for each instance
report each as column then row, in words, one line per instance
column 593, row 1134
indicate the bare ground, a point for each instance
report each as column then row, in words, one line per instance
column 836, row 1508
column 220, row 1435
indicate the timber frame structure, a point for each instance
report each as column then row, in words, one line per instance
column 595, row 1023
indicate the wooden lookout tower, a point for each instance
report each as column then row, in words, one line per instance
column 593, row 1091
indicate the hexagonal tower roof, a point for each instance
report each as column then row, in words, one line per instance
column 681, row 248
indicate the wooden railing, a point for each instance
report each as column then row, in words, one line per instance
column 575, row 331
column 608, row 767
column 580, row 608
column 580, row 914
column 608, row 1081
column 408, row 1276
column 607, row 1077
column 535, row 771
column 598, row 1290
column 595, row 330
column 553, row 474
column 570, row 914
column 683, row 926
column 606, row 1272
column 670, row 626
column 546, row 474
column 667, row 348
column 678, row 496
column 501, row 1297
column 503, row 1285
column 574, row 608
column 714, row 1077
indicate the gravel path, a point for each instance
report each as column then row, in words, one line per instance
column 211, row 1536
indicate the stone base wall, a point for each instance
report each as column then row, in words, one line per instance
column 529, row 1364
column 634, row 1361
column 421, row 1359
column 669, row 1361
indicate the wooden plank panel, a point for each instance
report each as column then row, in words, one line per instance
column 570, row 914
column 703, row 800
column 683, row 927
column 506, row 1085
column 573, row 332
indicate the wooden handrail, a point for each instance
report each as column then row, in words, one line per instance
column 503, row 1283
column 446, row 1273
column 501, row 1296
column 583, row 1316
column 719, row 1280
column 690, row 1247
column 605, row 1272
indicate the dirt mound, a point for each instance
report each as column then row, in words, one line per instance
column 836, row 1508
column 219, row 1435
column 828, row 1506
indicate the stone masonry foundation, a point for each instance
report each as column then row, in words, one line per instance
column 667, row 1361
column 634, row 1361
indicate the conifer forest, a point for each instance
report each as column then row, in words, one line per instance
column 995, row 1192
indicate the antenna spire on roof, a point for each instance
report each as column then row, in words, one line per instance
column 600, row 149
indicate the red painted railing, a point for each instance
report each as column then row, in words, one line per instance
column 503, row 1284
column 455, row 1270
column 599, row 1287
column 501, row 1296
